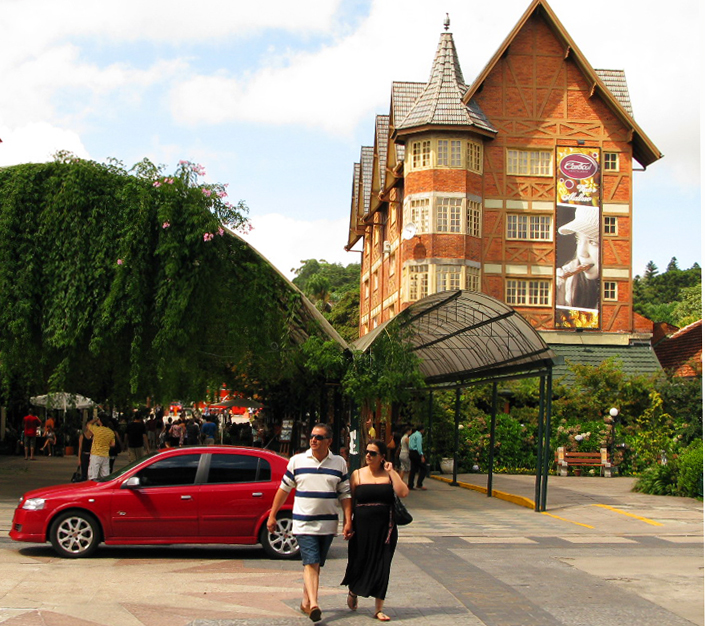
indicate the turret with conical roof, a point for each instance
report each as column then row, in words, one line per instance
column 441, row 102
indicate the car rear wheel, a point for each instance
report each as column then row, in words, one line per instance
column 74, row 534
column 281, row 544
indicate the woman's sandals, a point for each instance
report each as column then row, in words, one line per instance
column 352, row 601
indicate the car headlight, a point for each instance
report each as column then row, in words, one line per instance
column 34, row 504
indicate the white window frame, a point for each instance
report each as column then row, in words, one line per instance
column 420, row 214
column 610, row 291
column 418, row 281
column 529, row 162
column 456, row 153
column 528, row 292
column 610, row 161
column 473, row 219
column 474, row 156
column 448, row 277
column 443, row 152
column 526, row 227
column 472, row 278
column 449, row 212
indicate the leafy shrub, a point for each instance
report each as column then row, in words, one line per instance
column 690, row 471
column 659, row 480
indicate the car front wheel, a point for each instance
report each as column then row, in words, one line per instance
column 74, row 534
column 281, row 544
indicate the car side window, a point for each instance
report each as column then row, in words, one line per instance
column 174, row 471
column 237, row 468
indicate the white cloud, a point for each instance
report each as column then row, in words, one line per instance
column 285, row 241
column 36, row 143
column 347, row 82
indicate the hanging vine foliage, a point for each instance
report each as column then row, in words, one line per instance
column 121, row 285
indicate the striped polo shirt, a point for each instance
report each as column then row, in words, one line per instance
column 318, row 484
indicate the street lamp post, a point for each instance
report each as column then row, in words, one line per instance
column 614, row 412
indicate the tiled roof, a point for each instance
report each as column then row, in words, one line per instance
column 682, row 352
column 616, row 82
column 635, row 358
column 382, row 141
column 441, row 101
column 403, row 97
column 366, row 159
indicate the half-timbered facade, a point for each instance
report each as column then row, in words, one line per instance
column 518, row 185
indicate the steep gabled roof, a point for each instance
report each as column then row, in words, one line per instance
column 616, row 82
column 403, row 97
column 441, row 101
column 682, row 352
column 354, row 232
column 645, row 152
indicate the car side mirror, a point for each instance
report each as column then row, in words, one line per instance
column 131, row 482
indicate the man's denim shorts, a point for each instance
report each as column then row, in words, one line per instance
column 314, row 548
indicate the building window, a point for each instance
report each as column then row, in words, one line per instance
column 393, row 213
column 472, row 226
column 472, row 279
column 455, row 153
column 392, row 263
column 610, row 291
column 418, row 282
column 375, row 235
column 447, row 277
column 442, row 154
column 448, row 212
column 528, row 292
column 529, row 227
column 375, row 281
column 529, row 163
column 419, row 215
column 474, row 157
column 610, row 226
column 610, row 162
column 366, row 289
column 420, row 154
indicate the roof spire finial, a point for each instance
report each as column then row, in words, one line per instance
column 446, row 22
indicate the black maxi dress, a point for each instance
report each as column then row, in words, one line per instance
column 371, row 548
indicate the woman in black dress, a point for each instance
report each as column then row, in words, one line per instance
column 374, row 538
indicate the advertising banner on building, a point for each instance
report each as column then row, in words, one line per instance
column 578, row 237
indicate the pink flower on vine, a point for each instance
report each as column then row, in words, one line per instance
column 207, row 236
column 221, row 232
column 222, row 194
column 206, row 192
column 156, row 183
column 119, row 261
column 166, row 225
column 169, row 181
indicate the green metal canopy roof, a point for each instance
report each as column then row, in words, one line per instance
column 467, row 336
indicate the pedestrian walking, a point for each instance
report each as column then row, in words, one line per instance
column 374, row 537
column 417, row 459
column 319, row 477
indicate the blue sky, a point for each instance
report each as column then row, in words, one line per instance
column 276, row 97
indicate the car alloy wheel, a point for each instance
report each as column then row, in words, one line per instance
column 74, row 534
column 281, row 544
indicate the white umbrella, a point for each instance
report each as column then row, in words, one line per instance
column 63, row 400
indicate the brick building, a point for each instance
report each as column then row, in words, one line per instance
column 518, row 185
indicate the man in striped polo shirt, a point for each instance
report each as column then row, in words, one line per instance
column 320, row 478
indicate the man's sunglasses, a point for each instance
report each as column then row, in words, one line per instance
column 319, row 437
column 372, row 453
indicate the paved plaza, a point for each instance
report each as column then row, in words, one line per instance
column 600, row 556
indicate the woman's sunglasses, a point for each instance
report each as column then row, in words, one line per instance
column 372, row 453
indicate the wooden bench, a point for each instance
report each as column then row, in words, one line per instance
column 578, row 460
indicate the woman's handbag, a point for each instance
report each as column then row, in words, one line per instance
column 401, row 514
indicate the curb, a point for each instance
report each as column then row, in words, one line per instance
column 501, row 495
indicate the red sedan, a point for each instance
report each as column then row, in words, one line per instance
column 213, row 494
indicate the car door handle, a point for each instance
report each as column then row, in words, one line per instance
column 186, row 497
column 257, row 494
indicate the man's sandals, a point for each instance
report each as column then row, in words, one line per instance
column 382, row 617
column 314, row 614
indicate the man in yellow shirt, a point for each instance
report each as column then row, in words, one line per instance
column 103, row 439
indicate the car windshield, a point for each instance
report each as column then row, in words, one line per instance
column 127, row 468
